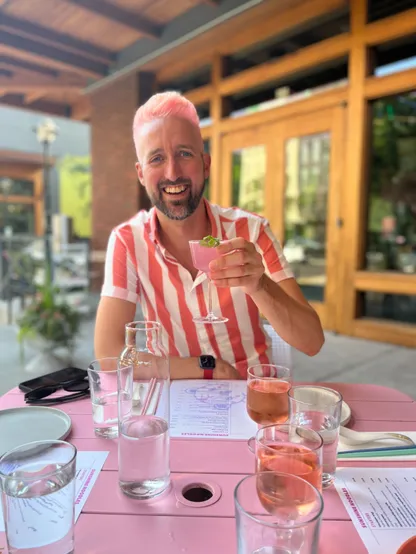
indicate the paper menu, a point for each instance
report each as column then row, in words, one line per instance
column 210, row 409
column 88, row 467
column 381, row 503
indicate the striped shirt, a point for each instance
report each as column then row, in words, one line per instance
column 139, row 269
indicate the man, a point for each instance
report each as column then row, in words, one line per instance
column 149, row 261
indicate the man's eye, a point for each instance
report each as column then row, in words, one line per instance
column 156, row 159
column 185, row 154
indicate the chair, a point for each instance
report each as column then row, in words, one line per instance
column 281, row 350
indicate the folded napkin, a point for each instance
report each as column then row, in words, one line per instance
column 377, row 456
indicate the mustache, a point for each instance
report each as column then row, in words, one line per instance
column 179, row 181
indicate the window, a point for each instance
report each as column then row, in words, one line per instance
column 395, row 307
column 395, row 56
column 391, row 221
column 17, row 204
column 19, row 217
column 291, row 88
column 293, row 40
column 379, row 9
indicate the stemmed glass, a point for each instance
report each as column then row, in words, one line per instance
column 201, row 257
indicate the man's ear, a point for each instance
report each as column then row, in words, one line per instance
column 139, row 172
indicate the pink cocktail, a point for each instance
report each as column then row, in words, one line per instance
column 202, row 256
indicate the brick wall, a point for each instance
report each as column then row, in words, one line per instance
column 117, row 195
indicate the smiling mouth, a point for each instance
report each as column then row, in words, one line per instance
column 178, row 189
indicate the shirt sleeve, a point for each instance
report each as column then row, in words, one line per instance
column 120, row 273
column 277, row 267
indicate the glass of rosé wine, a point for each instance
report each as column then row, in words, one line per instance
column 277, row 513
column 267, row 393
column 290, row 449
column 203, row 252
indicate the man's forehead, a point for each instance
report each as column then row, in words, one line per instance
column 172, row 131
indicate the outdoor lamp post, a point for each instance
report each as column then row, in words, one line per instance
column 46, row 133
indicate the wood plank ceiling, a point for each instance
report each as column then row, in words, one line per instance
column 51, row 49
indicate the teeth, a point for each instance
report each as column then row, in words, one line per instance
column 174, row 190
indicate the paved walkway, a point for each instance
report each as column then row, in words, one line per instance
column 342, row 359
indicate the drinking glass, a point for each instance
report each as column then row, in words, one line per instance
column 102, row 376
column 201, row 258
column 38, row 493
column 290, row 449
column 267, row 398
column 277, row 513
column 143, row 445
column 319, row 408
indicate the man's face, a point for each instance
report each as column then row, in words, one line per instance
column 172, row 166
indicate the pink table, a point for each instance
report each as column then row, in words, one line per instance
column 112, row 522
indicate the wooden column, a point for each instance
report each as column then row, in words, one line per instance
column 219, row 108
column 354, row 195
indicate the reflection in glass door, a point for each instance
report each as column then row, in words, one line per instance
column 248, row 178
column 305, row 211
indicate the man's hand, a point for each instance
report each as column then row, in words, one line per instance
column 239, row 265
column 224, row 370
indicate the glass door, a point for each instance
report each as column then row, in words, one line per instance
column 309, row 219
column 290, row 172
column 246, row 179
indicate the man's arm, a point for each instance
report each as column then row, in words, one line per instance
column 112, row 316
column 283, row 303
column 289, row 313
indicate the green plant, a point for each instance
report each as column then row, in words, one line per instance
column 46, row 317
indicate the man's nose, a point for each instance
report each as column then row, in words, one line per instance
column 172, row 169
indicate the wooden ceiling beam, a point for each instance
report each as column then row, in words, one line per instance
column 49, row 36
column 119, row 15
column 17, row 101
column 32, row 97
column 29, row 84
column 15, row 63
column 48, row 54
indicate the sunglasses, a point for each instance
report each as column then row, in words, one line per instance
column 38, row 397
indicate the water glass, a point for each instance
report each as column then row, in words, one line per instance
column 104, row 387
column 277, row 513
column 38, row 493
column 290, row 449
column 143, row 446
column 267, row 388
column 319, row 408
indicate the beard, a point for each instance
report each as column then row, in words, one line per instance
column 177, row 209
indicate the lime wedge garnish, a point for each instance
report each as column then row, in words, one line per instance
column 209, row 241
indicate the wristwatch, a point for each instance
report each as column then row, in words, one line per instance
column 207, row 363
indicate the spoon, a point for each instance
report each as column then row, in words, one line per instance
column 355, row 438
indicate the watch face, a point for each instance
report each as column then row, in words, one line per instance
column 207, row 362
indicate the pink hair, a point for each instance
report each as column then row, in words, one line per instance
column 162, row 105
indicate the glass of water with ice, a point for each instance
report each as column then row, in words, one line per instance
column 143, row 445
column 104, row 387
column 319, row 408
column 38, row 490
